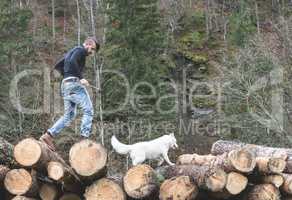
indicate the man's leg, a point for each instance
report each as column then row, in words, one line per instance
column 69, row 115
column 83, row 100
column 66, row 119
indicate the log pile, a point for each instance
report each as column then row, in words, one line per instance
column 30, row 171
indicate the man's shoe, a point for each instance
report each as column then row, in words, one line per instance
column 48, row 140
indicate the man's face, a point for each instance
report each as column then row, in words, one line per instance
column 90, row 46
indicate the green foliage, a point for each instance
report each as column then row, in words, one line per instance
column 16, row 51
column 194, row 20
column 13, row 31
column 241, row 24
column 135, row 43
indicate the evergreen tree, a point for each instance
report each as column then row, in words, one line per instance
column 135, row 43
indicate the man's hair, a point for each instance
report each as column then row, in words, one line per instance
column 95, row 40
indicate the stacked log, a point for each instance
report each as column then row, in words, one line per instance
column 209, row 178
column 241, row 160
column 222, row 146
column 178, row 188
column 263, row 192
column 105, row 189
column 140, row 181
column 21, row 182
column 37, row 165
column 233, row 171
column 88, row 159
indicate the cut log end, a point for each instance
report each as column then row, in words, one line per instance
column 270, row 165
column 178, row 188
column 217, row 181
column 236, row 183
column 264, row 192
column 276, row 180
column 104, row 189
column 48, row 192
column 27, row 152
column 55, row 170
column 87, row 158
column 277, row 165
column 139, row 181
column 18, row 181
column 242, row 159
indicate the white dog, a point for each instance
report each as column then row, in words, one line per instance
column 154, row 149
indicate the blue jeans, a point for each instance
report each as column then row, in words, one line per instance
column 74, row 93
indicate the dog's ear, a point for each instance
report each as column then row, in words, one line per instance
column 172, row 134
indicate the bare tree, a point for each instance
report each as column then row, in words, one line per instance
column 78, row 21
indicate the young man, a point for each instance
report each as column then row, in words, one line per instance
column 74, row 92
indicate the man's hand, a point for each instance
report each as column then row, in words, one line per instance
column 84, row 82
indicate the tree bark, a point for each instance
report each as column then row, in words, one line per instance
column 222, row 146
column 178, row 188
column 3, row 171
column 139, row 182
column 6, row 153
column 206, row 177
column 88, row 159
column 263, row 192
column 288, row 168
column 287, row 185
column 21, row 182
column 240, row 160
column 104, row 189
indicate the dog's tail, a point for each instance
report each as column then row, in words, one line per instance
column 120, row 147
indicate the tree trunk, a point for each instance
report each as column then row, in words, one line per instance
column 178, row 188
column 61, row 174
column 88, row 159
column 104, row 189
column 241, row 160
column 70, row 196
column 6, row 153
column 264, row 192
column 139, row 181
column 48, row 192
column 33, row 153
column 21, row 182
column 275, row 179
column 206, row 177
column 270, row 165
column 222, row 146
